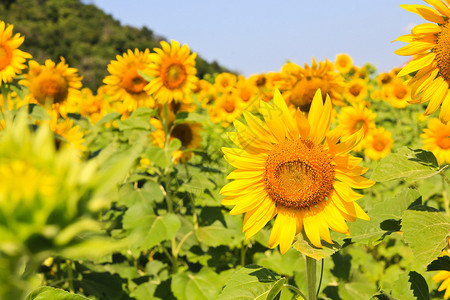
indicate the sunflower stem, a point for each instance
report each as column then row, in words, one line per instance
column 4, row 89
column 295, row 289
column 311, row 277
column 444, row 193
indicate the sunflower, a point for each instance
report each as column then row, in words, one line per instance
column 353, row 118
column 173, row 71
column 188, row 133
column 356, row 90
column 11, row 58
column 65, row 128
column 300, row 84
column 436, row 138
column 245, row 91
column 378, row 143
column 343, row 63
column 227, row 109
column 295, row 169
column 429, row 44
column 51, row 83
column 225, row 82
column 443, row 276
column 125, row 84
column 396, row 93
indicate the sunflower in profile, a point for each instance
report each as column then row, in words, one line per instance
column 173, row 71
column 343, row 63
column 300, row 84
column 294, row 169
column 11, row 58
column 125, row 84
column 429, row 44
column 436, row 138
column 51, row 83
column 378, row 143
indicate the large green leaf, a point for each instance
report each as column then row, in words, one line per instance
column 204, row 285
column 47, row 292
column 384, row 217
column 147, row 229
column 426, row 233
column 407, row 163
column 303, row 245
column 252, row 282
column 218, row 233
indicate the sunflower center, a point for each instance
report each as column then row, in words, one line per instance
column 5, row 56
column 50, row 86
column 261, row 81
column 229, row 106
column 182, row 132
column 174, row 76
column 443, row 142
column 298, row 174
column 443, row 52
column 355, row 90
column 358, row 125
column 400, row 91
column 303, row 92
column 385, row 78
column 132, row 82
column 379, row 146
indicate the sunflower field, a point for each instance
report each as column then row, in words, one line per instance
column 322, row 181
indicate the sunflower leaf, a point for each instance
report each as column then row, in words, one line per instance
column 303, row 245
column 440, row 264
column 407, row 163
column 252, row 282
column 432, row 226
column 203, row 285
column 47, row 292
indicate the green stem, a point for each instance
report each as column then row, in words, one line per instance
column 311, row 277
column 295, row 289
column 243, row 252
column 444, row 194
column 6, row 113
column 70, row 276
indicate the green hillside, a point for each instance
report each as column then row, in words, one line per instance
column 85, row 35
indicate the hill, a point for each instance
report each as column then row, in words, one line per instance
column 82, row 33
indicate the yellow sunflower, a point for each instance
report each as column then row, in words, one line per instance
column 443, row 276
column 356, row 90
column 429, row 44
column 173, row 71
column 245, row 91
column 397, row 93
column 125, row 84
column 11, row 58
column 188, row 133
column 343, row 63
column 353, row 118
column 225, row 82
column 295, row 169
column 228, row 108
column 66, row 129
column 300, row 84
column 51, row 83
column 436, row 138
column 378, row 143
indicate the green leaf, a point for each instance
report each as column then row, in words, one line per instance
column 426, row 233
column 107, row 118
column 147, row 229
column 103, row 285
column 384, row 217
column 47, row 292
column 204, row 285
column 138, row 123
column 441, row 264
column 143, row 111
column 407, row 163
column 252, row 282
column 36, row 111
column 218, row 233
column 419, row 286
column 303, row 245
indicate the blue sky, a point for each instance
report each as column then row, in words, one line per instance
column 251, row 36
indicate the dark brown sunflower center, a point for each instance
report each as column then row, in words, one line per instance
column 5, row 56
column 132, row 82
column 443, row 52
column 49, row 86
column 355, row 90
column 261, row 81
column 183, row 132
column 298, row 174
column 174, row 76
column 400, row 91
column 358, row 125
column 303, row 92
